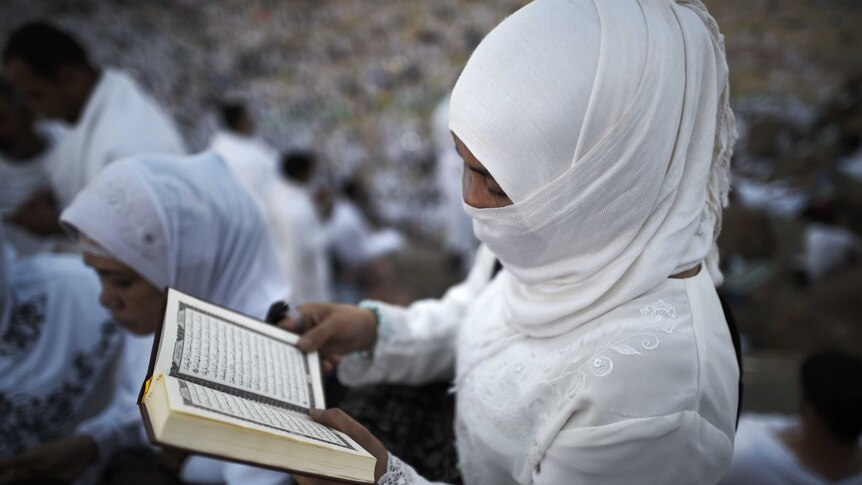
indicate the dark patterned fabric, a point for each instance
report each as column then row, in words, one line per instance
column 415, row 423
column 27, row 420
column 25, row 326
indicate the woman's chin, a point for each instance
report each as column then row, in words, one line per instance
column 134, row 327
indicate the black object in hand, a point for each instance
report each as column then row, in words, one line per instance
column 277, row 312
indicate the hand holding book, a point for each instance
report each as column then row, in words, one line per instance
column 338, row 419
column 228, row 386
column 333, row 331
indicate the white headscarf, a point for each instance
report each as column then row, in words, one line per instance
column 183, row 222
column 608, row 125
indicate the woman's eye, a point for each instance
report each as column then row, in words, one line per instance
column 124, row 283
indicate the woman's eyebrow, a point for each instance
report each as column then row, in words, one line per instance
column 480, row 171
column 113, row 272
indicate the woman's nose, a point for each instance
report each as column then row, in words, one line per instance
column 110, row 300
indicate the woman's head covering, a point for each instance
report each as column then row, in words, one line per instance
column 608, row 125
column 183, row 222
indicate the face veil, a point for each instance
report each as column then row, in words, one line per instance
column 608, row 125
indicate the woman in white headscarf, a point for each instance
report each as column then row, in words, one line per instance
column 596, row 137
column 151, row 222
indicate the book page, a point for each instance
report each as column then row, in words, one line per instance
column 213, row 347
column 265, row 415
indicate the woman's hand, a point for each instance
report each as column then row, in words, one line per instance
column 338, row 419
column 63, row 459
column 333, row 330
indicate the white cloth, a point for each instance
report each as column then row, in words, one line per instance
column 250, row 159
column 57, row 348
column 760, row 456
column 351, row 240
column 608, row 125
column 296, row 228
column 301, row 242
column 645, row 394
column 119, row 120
column 457, row 225
column 119, row 424
column 22, row 179
column 828, row 248
column 185, row 222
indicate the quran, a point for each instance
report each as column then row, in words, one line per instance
column 225, row 385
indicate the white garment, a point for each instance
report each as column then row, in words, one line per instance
column 185, row 223
column 608, row 125
column 119, row 120
column 645, row 394
column 301, row 242
column 351, row 240
column 250, row 159
column 457, row 225
column 761, row 458
column 611, row 199
column 57, row 348
column 828, row 248
column 119, row 424
column 22, row 179
column 296, row 228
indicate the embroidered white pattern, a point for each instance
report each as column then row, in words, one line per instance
column 398, row 473
column 658, row 315
column 513, row 394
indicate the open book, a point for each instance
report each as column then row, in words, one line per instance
column 228, row 386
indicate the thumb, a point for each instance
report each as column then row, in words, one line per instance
column 316, row 338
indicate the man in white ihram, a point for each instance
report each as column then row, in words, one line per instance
column 110, row 116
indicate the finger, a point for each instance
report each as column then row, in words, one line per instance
column 326, row 366
column 339, row 420
column 333, row 417
column 290, row 325
column 316, row 338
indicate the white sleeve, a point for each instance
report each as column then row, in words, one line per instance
column 680, row 448
column 400, row 473
column 415, row 344
column 120, row 425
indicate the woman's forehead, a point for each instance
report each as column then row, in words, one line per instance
column 105, row 263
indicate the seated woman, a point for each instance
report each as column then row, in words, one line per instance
column 150, row 222
column 596, row 138
column 57, row 349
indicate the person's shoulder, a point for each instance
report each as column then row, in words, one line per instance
column 135, row 117
column 643, row 359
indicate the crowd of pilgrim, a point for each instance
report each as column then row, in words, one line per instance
column 584, row 161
